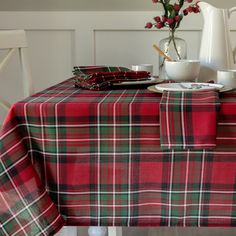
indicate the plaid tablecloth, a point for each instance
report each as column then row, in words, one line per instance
column 94, row 158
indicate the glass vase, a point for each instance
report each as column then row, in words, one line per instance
column 175, row 48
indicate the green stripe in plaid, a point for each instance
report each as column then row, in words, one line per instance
column 98, row 155
column 188, row 119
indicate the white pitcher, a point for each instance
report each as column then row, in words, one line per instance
column 215, row 52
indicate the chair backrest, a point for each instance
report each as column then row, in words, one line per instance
column 13, row 41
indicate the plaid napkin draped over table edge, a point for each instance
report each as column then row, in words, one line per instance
column 188, row 119
column 103, row 77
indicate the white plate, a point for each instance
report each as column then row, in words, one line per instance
column 149, row 80
column 154, row 89
column 188, row 86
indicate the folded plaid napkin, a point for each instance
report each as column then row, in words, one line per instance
column 102, row 77
column 188, row 119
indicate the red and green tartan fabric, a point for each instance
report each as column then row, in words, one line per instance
column 103, row 77
column 96, row 156
column 25, row 206
column 188, row 119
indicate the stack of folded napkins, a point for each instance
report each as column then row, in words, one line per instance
column 188, row 120
column 103, row 77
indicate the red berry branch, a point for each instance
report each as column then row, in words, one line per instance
column 172, row 17
column 173, row 13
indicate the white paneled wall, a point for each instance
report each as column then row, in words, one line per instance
column 60, row 40
column 52, row 56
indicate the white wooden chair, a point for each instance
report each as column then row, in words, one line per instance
column 13, row 41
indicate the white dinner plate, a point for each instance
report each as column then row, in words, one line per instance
column 188, row 86
column 156, row 90
column 149, row 80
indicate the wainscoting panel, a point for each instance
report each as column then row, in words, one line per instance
column 52, row 56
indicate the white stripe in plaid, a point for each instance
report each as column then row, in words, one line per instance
column 170, row 191
column 186, row 188
column 182, row 121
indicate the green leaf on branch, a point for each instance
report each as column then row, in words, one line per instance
column 171, row 10
column 173, row 13
column 169, row 7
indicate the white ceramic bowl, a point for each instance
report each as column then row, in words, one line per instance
column 182, row 70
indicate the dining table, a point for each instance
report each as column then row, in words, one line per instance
column 76, row 157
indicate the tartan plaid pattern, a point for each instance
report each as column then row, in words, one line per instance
column 25, row 206
column 103, row 77
column 98, row 156
column 188, row 119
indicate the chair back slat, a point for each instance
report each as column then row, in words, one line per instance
column 15, row 40
column 7, row 58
